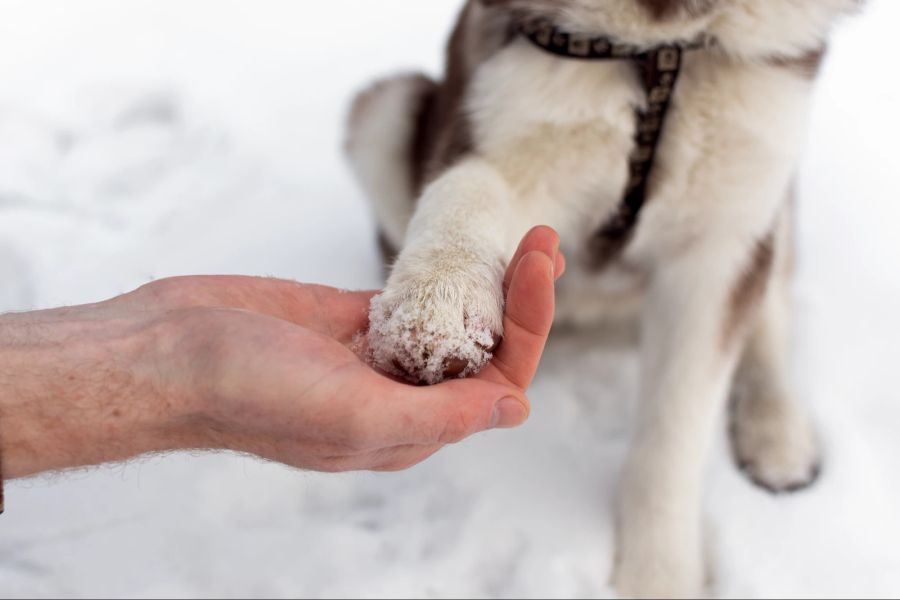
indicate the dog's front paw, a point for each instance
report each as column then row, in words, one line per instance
column 438, row 325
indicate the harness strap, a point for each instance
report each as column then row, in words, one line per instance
column 659, row 68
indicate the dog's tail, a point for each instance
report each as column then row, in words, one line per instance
column 382, row 135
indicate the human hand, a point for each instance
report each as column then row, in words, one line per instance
column 254, row 365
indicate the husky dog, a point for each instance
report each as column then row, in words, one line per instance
column 525, row 129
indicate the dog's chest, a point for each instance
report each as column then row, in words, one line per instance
column 559, row 130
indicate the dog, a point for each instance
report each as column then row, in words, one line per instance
column 666, row 164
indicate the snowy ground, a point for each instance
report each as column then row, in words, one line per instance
column 146, row 138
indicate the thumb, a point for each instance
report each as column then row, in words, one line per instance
column 450, row 412
column 466, row 407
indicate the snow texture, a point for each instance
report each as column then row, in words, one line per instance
column 422, row 345
column 146, row 138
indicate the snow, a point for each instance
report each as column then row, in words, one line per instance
column 150, row 138
column 398, row 335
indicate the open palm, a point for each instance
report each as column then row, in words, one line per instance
column 282, row 378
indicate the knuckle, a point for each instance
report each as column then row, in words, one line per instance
column 171, row 292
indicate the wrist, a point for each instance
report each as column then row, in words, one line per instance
column 79, row 390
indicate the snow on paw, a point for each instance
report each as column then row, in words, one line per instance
column 427, row 332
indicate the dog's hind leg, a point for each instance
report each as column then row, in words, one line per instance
column 771, row 433
column 382, row 138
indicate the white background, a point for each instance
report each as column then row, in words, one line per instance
column 140, row 139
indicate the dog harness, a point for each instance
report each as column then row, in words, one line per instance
column 659, row 68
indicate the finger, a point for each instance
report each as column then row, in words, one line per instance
column 559, row 269
column 530, row 306
column 339, row 314
column 443, row 414
column 539, row 239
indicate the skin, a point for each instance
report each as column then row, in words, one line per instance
column 259, row 366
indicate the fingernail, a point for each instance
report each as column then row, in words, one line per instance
column 559, row 265
column 508, row 413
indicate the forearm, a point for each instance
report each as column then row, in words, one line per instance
column 244, row 364
column 78, row 388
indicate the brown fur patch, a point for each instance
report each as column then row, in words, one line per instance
column 388, row 252
column 667, row 9
column 422, row 144
column 750, row 289
column 604, row 249
column 445, row 133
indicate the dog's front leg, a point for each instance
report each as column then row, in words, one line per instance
column 694, row 322
column 442, row 310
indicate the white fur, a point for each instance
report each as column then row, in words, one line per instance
column 444, row 299
column 552, row 139
column 753, row 29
